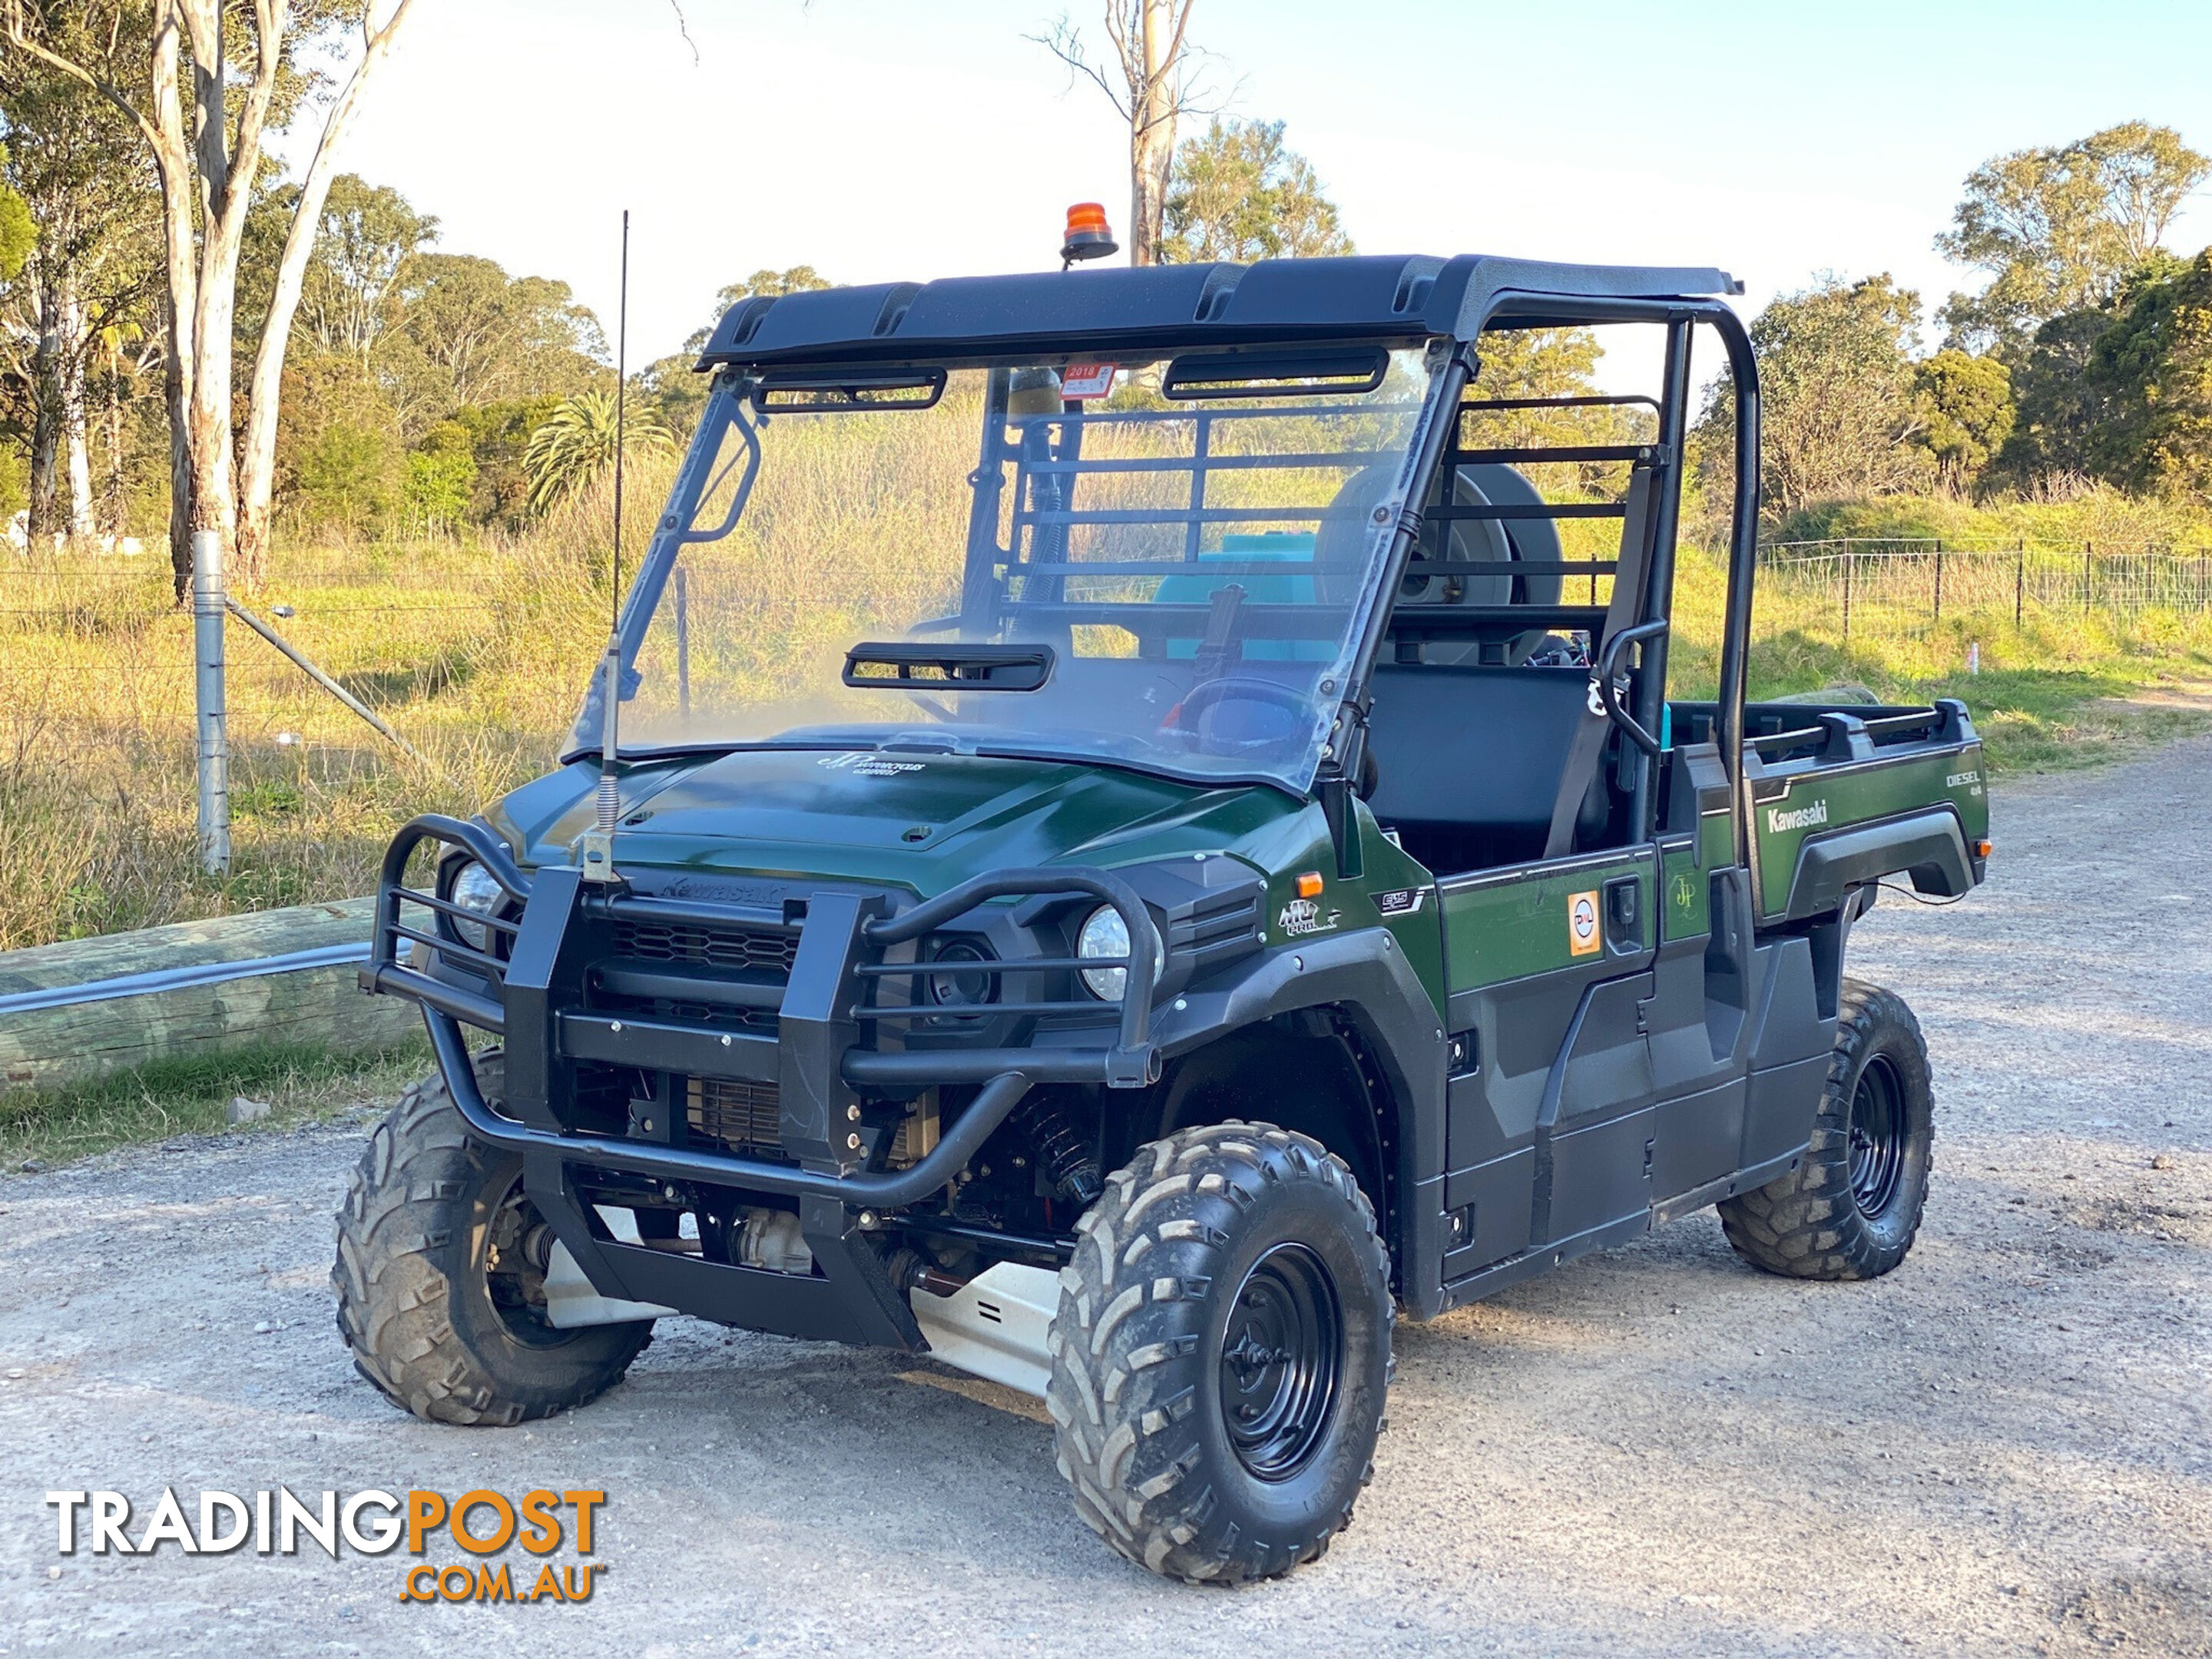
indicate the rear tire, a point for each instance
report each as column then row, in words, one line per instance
column 440, row 1275
column 1221, row 1353
column 1852, row 1208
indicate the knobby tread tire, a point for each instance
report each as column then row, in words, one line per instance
column 1806, row 1225
column 412, row 1301
column 1135, row 1340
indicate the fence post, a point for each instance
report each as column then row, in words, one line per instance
column 1939, row 579
column 2088, row 549
column 208, row 611
column 2019, row 584
column 1847, row 590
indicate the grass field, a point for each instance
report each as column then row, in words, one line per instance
column 477, row 653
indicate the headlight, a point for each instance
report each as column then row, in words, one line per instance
column 1105, row 934
column 473, row 889
column 962, row 990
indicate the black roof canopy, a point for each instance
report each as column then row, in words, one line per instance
column 1117, row 310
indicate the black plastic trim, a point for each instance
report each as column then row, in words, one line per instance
column 1928, row 845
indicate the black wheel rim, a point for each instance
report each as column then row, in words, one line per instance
column 1282, row 1352
column 1877, row 1139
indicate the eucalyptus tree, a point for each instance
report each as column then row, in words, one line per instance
column 2061, row 227
column 1238, row 192
column 205, row 83
column 1150, row 87
column 89, row 270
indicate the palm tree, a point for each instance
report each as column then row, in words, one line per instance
column 577, row 444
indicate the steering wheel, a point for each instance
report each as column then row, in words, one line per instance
column 1183, row 723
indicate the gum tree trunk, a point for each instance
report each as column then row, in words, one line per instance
column 257, row 461
column 46, row 518
column 74, row 423
column 176, row 396
column 1152, row 131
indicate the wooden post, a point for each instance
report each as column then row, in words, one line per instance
column 318, row 1007
column 1939, row 580
column 2019, row 586
column 2088, row 551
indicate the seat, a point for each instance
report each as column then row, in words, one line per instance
column 1468, row 760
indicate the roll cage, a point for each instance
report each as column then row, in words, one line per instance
column 834, row 335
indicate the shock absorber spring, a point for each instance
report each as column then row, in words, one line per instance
column 1062, row 1150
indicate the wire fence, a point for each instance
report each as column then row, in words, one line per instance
column 1861, row 584
column 99, row 650
column 1879, row 585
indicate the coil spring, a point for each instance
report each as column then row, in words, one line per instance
column 1062, row 1150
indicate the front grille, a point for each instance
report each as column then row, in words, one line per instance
column 744, row 1117
column 717, row 1016
column 748, row 1118
column 769, row 948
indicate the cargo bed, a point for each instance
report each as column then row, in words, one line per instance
column 1842, row 794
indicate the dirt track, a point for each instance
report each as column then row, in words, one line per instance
column 2002, row 1448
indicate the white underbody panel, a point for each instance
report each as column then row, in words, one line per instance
column 570, row 1301
column 994, row 1324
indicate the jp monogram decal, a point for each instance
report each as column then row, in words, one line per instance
column 1304, row 916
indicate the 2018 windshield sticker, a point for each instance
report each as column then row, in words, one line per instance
column 1804, row 818
column 868, row 766
column 1084, row 380
column 1304, row 916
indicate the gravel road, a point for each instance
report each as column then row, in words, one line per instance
column 2002, row 1448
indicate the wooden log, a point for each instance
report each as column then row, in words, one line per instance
column 322, row 1007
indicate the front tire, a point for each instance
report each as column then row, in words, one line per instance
column 1852, row 1208
column 1221, row 1353
column 440, row 1275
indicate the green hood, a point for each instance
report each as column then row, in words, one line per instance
column 922, row 821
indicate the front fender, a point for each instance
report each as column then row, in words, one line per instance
column 1364, row 973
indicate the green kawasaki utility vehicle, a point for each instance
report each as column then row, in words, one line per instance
column 1147, row 826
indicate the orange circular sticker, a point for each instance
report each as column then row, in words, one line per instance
column 1582, row 934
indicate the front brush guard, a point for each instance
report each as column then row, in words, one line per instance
column 817, row 1060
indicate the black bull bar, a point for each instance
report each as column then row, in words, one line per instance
column 816, row 1057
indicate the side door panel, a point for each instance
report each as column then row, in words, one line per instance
column 1526, row 986
column 1699, row 1128
column 1598, row 1144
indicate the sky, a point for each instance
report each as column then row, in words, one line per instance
column 886, row 140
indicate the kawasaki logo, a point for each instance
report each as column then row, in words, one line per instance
column 1804, row 818
column 868, row 766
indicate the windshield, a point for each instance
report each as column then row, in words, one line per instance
column 1178, row 585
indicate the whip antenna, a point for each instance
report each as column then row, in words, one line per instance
column 597, row 845
column 622, row 402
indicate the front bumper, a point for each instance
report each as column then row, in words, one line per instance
column 826, row 1056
